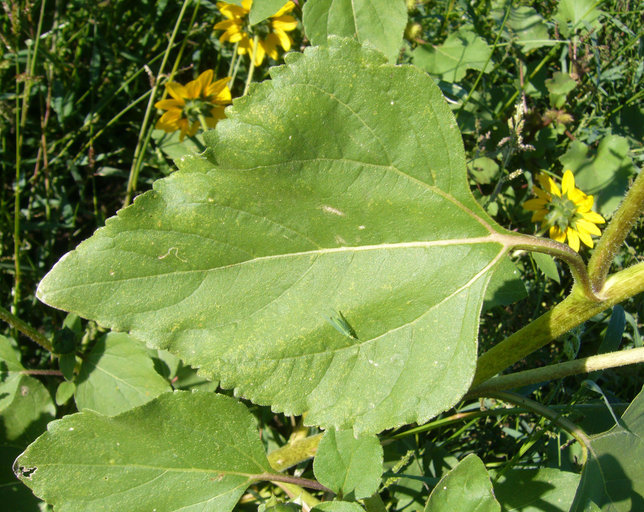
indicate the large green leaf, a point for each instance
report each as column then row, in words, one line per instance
column 380, row 23
column 336, row 190
column 182, row 451
column 346, row 464
column 117, row 375
column 466, row 488
column 613, row 475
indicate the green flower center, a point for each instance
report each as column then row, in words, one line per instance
column 261, row 29
column 561, row 212
column 196, row 108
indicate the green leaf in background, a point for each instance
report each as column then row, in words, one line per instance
column 323, row 191
column 559, row 86
column 381, row 23
column 547, row 265
column 182, row 451
column 536, row 490
column 64, row 392
column 174, row 148
column 466, row 488
column 612, row 476
column 337, row 506
column 484, row 170
column 614, row 331
column 262, row 9
column 10, row 364
column 505, row 287
column 450, row 61
column 346, row 464
column 25, row 404
column 117, row 375
column 578, row 15
column 526, row 27
column 604, row 173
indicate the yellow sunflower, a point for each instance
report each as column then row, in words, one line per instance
column 199, row 101
column 566, row 213
column 271, row 33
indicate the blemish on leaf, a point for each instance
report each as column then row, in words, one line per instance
column 175, row 252
column 330, row 209
column 24, row 472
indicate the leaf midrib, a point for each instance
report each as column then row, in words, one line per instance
column 489, row 239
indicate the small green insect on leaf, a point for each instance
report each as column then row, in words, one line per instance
column 340, row 323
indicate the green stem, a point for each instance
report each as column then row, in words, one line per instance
column 295, row 492
column 559, row 370
column 231, row 68
column 489, row 57
column 514, row 96
column 22, row 108
column 144, row 133
column 251, row 69
column 302, row 482
column 469, row 415
column 558, row 250
column 616, row 232
column 553, row 416
column 572, row 311
column 25, row 329
column 448, row 11
column 54, row 373
column 293, row 453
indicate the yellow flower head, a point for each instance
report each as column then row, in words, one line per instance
column 566, row 213
column 200, row 99
column 270, row 33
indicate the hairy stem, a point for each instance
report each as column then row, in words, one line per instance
column 548, row 413
column 302, row 482
column 616, row 232
column 560, row 370
column 25, row 329
column 293, row 453
column 572, row 311
column 558, row 250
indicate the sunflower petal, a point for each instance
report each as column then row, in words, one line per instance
column 556, row 234
column 584, row 237
column 535, row 204
column 588, row 227
column 177, row 91
column 568, row 183
column 573, row 239
column 548, row 184
column 593, row 217
column 285, row 23
column 287, row 7
column 170, row 104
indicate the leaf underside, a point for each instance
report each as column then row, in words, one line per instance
column 339, row 185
